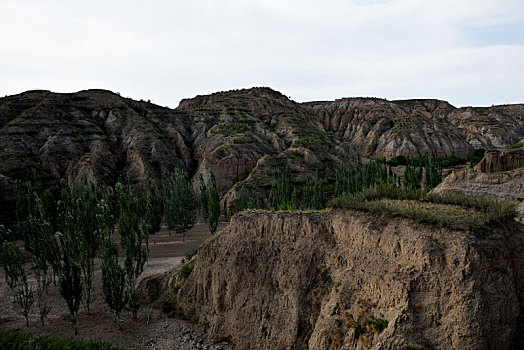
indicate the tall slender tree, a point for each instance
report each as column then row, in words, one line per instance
column 114, row 281
column 180, row 205
column 213, row 205
column 152, row 206
column 203, row 196
column 133, row 239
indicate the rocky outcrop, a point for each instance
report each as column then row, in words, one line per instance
column 507, row 185
column 493, row 127
column 501, row 161
column 383, row 129
column 499, row 174
column 351, row 280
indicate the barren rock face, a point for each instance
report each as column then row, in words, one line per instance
column 502, row 161
column 499, row 174
column 490, row 127
column 323, row 281
column 381, row 128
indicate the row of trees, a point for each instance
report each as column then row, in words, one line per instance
column 287, row 194
column 65, row 227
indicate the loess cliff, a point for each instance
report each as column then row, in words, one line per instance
column 351, row 280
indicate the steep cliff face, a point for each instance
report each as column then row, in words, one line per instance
column 502, row 161
column 332, row 280
column 381, row 128
column 490, row 127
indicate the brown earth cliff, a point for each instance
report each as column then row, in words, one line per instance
column 328, row 280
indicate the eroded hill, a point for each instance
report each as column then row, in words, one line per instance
column 240, row 135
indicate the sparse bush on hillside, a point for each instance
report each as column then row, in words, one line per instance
column 12, row 339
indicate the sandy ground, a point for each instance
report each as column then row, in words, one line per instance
column 161, row 332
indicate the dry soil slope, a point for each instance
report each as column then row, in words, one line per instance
column 292, row 281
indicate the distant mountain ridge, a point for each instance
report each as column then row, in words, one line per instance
column 240, row 135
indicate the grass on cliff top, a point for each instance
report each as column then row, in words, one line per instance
column 282, row 211
column 17, row 340
column 454, row 211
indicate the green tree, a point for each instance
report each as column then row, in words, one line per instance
column 318, row 201
column 114, row 284
column 12, row 264
column 43, row 280
column 133, row 239
column 432, row 173
column 180, row 205
column 213, row 205
column 282, row 190
column 24, row 297
column 152, row 206
column 203, row 196
column 244, row 200
column 80, row 219
column 70, row 282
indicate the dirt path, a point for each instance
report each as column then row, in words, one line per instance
column 166, row 251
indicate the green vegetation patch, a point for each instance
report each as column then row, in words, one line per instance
column 444, row 162
column 310, row 137
column 233, row 128
column 454, row 211
column 517, row 145
column 17, row 340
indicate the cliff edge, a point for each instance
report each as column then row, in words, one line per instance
column 352, row 280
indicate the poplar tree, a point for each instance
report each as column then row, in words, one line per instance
column 318, row 201
column 114, row 285
column 24, row 296
column 180, row 205
column 133, row 239
column 213, row 205
column 152, row 206
column 203, row 196
column 281, row 190
column 12, row 264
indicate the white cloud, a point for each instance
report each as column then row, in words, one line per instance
column 166, row 50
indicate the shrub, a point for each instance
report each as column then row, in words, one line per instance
column 185, row 270
column 11, row 339
column 191, row 253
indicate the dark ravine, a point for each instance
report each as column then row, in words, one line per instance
column 240, row 135
column 294, row 281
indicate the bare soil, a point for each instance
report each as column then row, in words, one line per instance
column 152, row 330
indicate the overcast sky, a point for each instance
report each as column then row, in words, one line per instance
column 468, row 52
